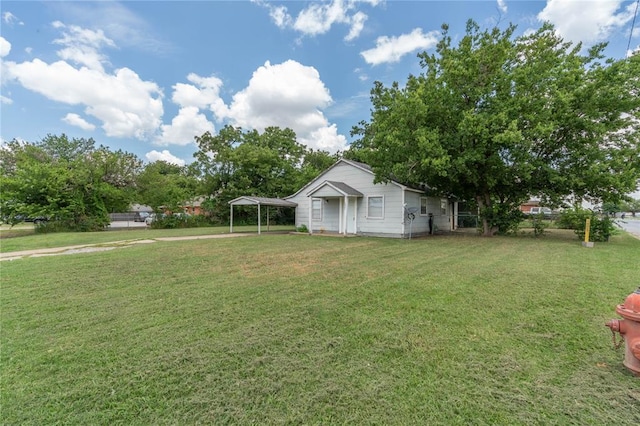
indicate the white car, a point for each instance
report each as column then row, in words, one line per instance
column 149, row 219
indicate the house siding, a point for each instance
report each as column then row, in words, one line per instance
column 441, row 221
column 391, row 225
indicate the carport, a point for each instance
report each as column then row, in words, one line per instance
column 259, row 201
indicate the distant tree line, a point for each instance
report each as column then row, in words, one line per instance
column 75, row 184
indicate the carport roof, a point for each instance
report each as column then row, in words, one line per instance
column 264, row 201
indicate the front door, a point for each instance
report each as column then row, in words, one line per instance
column 351, row 215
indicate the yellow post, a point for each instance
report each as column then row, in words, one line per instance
column 587, row 228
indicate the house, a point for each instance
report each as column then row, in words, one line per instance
column 344, row 199
column 194, row 207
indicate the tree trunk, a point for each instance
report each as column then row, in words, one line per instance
column 484, row 202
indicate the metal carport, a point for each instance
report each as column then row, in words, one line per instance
column 259, row 201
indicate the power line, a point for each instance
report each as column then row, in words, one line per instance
column 633, row 24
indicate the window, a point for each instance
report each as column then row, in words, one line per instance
column 316, row 209
column 423, row 206
column 443, row 206
column 375, row 207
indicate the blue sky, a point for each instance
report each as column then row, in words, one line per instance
column 147, row 76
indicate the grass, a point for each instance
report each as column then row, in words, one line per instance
column 284, row 329
column 25, row 238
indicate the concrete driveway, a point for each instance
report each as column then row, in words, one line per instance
column 88, row 248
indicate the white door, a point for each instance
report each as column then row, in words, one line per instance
column 351, row 215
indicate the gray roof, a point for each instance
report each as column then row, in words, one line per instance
column 250, row 200
column 343, row 187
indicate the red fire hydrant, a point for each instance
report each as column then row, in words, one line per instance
column 629, row 329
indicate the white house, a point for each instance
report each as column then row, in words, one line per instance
column 344, row 199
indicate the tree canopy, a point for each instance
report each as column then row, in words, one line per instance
column 69, row 180
column 236, row 162
column 499, row 119
column 166, row 186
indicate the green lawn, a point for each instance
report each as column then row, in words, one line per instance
column 289, row 329
column 24, row 237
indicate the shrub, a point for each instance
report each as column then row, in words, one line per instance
column 302, row 228
column 538, row 224
column 602, row 228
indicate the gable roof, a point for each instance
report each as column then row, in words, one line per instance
column 339, row 187
column 362, row 166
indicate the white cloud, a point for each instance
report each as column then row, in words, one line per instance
column 357, row 25
column 5, row 47
column 126, row 105
column 82, row 46
column 589, row 22
column 10, row 19
column 165, row 155
column 287, row 95
column 203, row 93
column 76, row 120
column 502, row 6
column 319, row 17
column 391, row 49
column 184, row 127
column 5, row 100
column 280, row 16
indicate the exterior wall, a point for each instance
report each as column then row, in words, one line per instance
column 420, row 226
column 394, row 222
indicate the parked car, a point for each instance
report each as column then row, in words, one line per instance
column 37, row 220
column 546, row 211
column 150, row 218
column 140, row 216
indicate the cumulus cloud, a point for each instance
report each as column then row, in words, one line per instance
column 126, row 105
column 189, row 122
column 392, row 49
column 165, row 155
column 5, row 100
column 287, row 95
column 589, row 22
column 203, row 93
column 318, row 17
column 5, row 47
column 76, row 120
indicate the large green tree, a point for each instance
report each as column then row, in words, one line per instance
column 501, row 118
column 236, row 162
column 166, row 186
column 67, row 179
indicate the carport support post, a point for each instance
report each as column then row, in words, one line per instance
column 258, row 218
column 231, row 222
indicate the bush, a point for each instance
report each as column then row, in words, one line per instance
column 302, row 228
column 538, row 224
column 602, row 228
column 176, row 221
column 77, row 224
